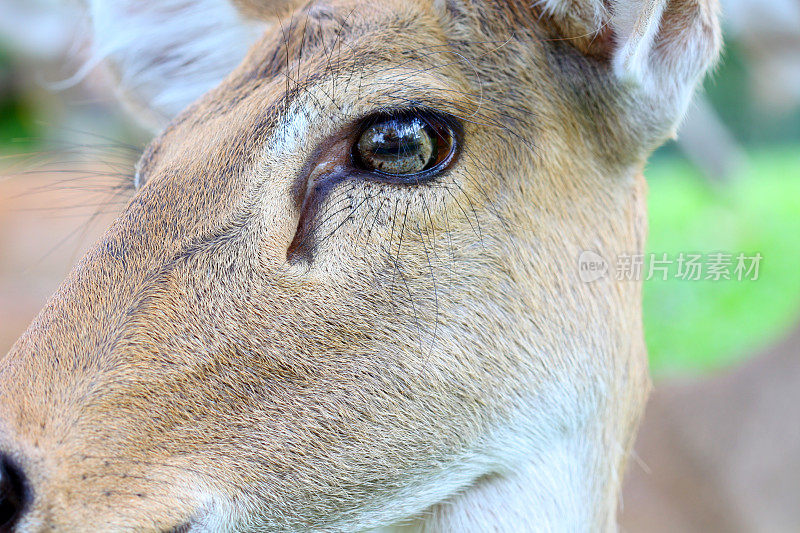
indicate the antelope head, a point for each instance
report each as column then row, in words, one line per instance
column 345, row 295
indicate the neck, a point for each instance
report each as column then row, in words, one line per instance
column 556, row 491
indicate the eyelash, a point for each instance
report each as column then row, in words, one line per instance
column 317, row 201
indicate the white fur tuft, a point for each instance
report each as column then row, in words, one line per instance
column 636, row 23
column 167, row 53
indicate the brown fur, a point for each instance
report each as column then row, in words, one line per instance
column 186, row 355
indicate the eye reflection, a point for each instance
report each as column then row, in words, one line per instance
column 404, row 146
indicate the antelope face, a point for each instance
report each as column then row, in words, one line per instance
column 345, row 294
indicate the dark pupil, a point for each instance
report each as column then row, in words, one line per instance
column 398, row 146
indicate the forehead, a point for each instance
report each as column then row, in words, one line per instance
column 337, row 60
column 310, row 77
column 341, row 39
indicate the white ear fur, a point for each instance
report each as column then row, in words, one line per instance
column 167, row 53
column 661, row 48
column 636, row 25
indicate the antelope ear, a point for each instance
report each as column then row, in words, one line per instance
column 660, row 47
column 165, row 54
column 663, row 40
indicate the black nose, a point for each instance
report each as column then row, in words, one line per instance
column 13, row 494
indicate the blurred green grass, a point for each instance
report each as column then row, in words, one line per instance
column 696, row 326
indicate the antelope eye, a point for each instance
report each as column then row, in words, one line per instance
column 406, row 147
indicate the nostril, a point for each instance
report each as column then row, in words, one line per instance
column 13, row 494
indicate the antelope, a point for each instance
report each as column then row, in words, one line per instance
column 345, row 293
